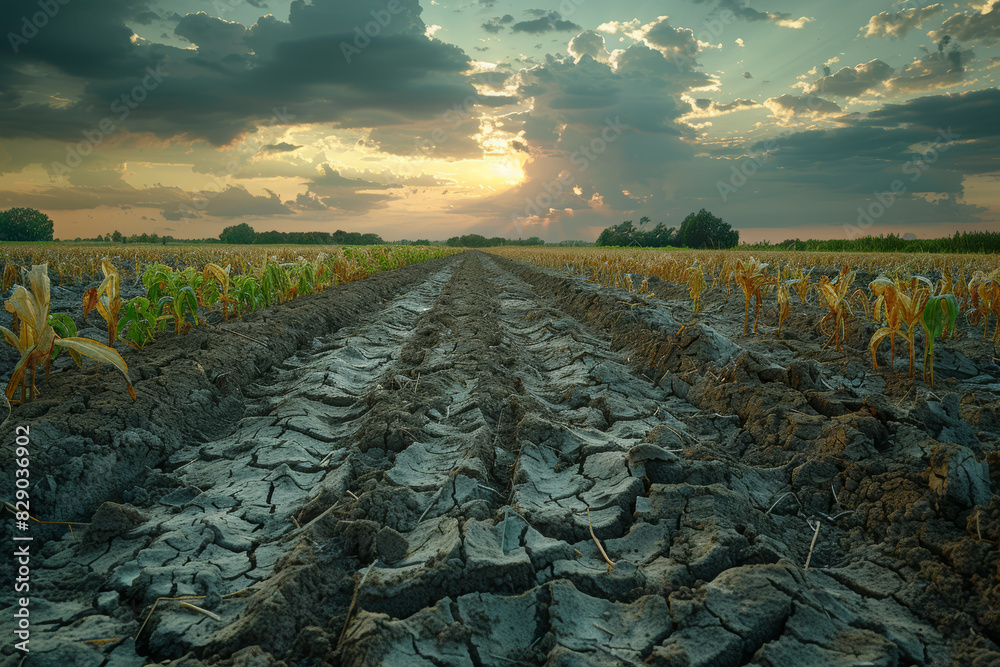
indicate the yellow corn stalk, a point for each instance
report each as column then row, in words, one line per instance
column 36, row 339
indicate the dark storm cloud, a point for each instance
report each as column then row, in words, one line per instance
column 892, row 135
column 549, row 22
column 314, row 66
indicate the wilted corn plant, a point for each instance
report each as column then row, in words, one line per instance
column 695, row 279
column 784, row 304
column 834, row 295
column 984, row 295
column 106, row 299
column 902, row 305
column 37, row 339
column 751, row 277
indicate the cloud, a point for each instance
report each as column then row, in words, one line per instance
column 852, row 81
column 706, row 108
column 496, row 24
column 875, row 148
column 613, row 131
column 787, row 106
column 589, row 43
column 983, row 27
column 235, row 202
column 740, row 10
column 551, row 21
column 340, row 193
column 942, row 68
column 283, row 147
column 897, row 24
column 677, row 45
column 236, row 77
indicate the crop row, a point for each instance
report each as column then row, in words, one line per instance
column 175, row 296
column 930, row 290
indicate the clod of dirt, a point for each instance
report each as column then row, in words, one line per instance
column 111, row 520
column 391, row 546
column 957, row 476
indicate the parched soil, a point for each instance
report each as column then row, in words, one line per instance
column 473, row 461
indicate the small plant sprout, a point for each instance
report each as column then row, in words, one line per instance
column 939, row 316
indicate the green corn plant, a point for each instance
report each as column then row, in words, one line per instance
column 321, row 271
column 139, row 323
column 300, row 278
column 247, row 294
column 166, row 287
column 275, row 285
column 39, row 336
column 939, row 316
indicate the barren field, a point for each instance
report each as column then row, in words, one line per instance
column 476, row 461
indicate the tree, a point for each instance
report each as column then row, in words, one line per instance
column 704, row 230
column 117, row 236
column 241, row 234
column 25, row 224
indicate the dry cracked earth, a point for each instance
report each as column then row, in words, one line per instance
column 473, row 461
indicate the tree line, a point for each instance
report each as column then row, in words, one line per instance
column 479, row 241
column 698, row 230
column 960, row 242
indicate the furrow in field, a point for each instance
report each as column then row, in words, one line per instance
column 704, row 573
column 231, row 508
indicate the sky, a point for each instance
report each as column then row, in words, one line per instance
column 426, row 119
